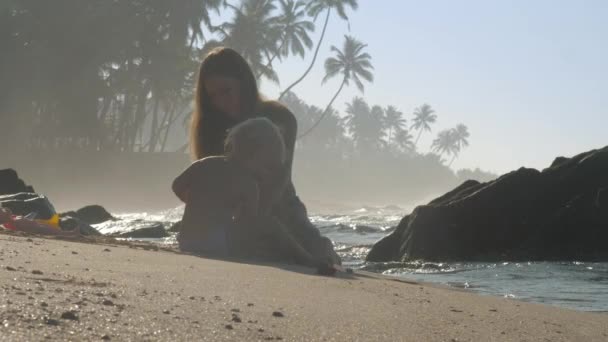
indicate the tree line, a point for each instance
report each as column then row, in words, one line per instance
column 119, row 75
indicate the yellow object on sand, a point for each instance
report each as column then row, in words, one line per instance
column 53, row 221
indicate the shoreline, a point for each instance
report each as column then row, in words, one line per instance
column 118, row 290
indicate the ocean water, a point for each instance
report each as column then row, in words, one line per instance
column 572, row 284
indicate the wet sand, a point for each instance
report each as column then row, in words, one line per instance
column 104, row 290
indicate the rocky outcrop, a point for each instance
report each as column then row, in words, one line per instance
column 10, row 183
column 155, row 230
column 91, row 214
column 558, row 213
column 71, row 223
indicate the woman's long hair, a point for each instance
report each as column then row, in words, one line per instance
column 208, row 127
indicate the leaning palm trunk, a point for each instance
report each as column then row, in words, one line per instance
column 169, row 121
column 152, row 144
column 453, row 158
column 270, row 60
column 325, row 111
column 418, row 138
column 140, row 116
column 172, row 118
column 314, row 58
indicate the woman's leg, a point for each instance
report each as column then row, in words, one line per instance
column 288, row 245
column 267, row 238
column 295, row 218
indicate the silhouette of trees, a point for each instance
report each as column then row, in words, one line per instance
column 295, row 28
column 100, row 75
column 404, row 141
column 451, row 141
column 424, row 116
column 254, row 32
column 352, row 64
column 83, row 83
column 445, row 143
column 315, row 8
column 394, row 123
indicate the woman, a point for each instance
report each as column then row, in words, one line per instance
column 227, row 94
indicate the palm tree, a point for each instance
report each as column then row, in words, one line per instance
column 364, row 124
column 461, row 134
column 404, row 140
column 301, row 110
column 445, row 143
column 329, row 131
column 352, row 63
column 253, row 32
column 294, row 28
column 374, row 127
column 356, row 113
column 393, row 121
column 315, row 7
column 423, row 117
column 185, row 19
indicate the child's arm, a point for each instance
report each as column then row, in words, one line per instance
column 181, row 184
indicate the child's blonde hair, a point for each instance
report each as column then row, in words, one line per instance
column 253, row 136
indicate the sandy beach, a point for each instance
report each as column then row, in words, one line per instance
column 104, row 290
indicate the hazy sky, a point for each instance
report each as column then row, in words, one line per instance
column 527, row 77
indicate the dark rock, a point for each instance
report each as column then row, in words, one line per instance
column 52, row 321
column 558, row 161
column 601, row 199
column 11, row 184
column 156, row 230
column 559, row 213
column 71, row 315
column 71, row 223
column 24, row 203
column 91, row 214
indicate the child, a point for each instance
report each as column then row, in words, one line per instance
column 223, row 198
column 12, row 222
